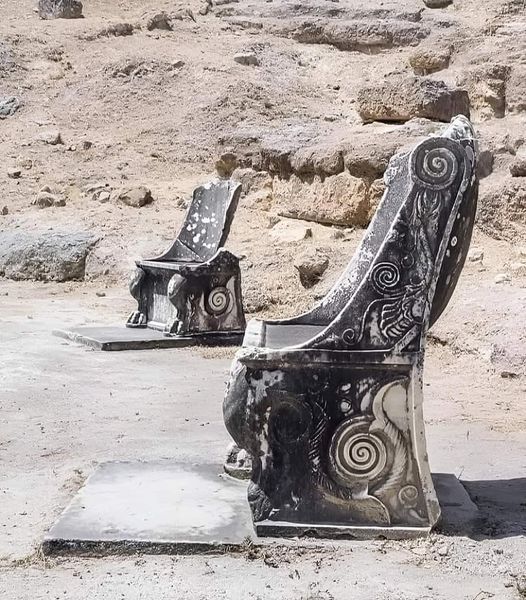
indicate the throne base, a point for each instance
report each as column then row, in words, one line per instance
column 119, row 337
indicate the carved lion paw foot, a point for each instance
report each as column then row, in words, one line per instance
column 136, row 319
column 238, row 463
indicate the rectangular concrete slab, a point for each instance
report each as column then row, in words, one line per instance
column 119, row 337
column 164, row 507
column 153, row 507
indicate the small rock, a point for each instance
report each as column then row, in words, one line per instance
column 52, row 137
column 103, row 196
column 5, row 211
column 476, row 255
column 14, row 173
column 520, row 251
column 226, row 164
column 204, row 9
column 161, row 20
column 429, row 60
column 9, row 106
column 289, row 231
column 311, row 266
column 502, row 278
column 46, row 199
column 136, row 197
column 509, row 374
column 86, row 145
column 485, row 164
column 60, row 9
column 246, row 58
column 24, row 163
column 437, row 3
column 518, row 167
column 100, row 294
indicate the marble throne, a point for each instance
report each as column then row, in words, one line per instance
column 194, row 289
column 329, row 403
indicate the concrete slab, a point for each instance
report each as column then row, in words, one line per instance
column 153, row 507
column 164, row 507
column 119, row 337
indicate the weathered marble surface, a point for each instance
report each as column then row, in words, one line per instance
column 329, row 404
column 195, row 287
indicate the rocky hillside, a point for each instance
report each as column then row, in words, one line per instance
column 108, row 121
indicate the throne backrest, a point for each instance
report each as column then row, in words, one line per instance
column 406, row 269
column 207, row 222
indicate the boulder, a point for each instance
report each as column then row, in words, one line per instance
column 338, row 200
column 361, row 35
column 400, row 99
column 60, row 9
column 226, row 164
column 515, row 96
column 44, row 256
column 135, row 196
column 311, row 265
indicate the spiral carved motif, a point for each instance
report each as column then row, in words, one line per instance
column 434, row 167
column 385, row 277
column 218, row 301
column 357, row 454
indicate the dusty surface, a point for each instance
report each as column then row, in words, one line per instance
column 158, row 108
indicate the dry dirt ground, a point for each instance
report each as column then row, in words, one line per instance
column 158, row 108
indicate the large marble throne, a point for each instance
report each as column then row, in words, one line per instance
column 329, row 403
column 195, row 287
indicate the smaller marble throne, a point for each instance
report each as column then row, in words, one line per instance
column 194, row 289
column 328, row 404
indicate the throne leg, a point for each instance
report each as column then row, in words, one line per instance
column 138, row 318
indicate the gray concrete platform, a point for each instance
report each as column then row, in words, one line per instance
column 153, row 507
column 164, row 507
column 119, row 337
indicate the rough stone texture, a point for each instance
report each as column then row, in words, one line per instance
column 502, row 209
column 45, row 256
column 9, row 106
column 226, row 164
column 437, row 3
column 161, row 20
column 45, row 199
column 52, row 137
column 289, row 231
column 60, row 9
column 136, row 196
column 424, row 61
column 486, row 86
column 400, row 99
column 246, row 58
column 518, row 167
column 356, row 35
column 515, row 96
column 311, row 265
column 339, row 200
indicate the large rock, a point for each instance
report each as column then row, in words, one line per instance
column 401, row 99
column 368, row 35
column 45, row 256
column 9, row 106
column 486, row 86
column 339, row 200
column 60, row 9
